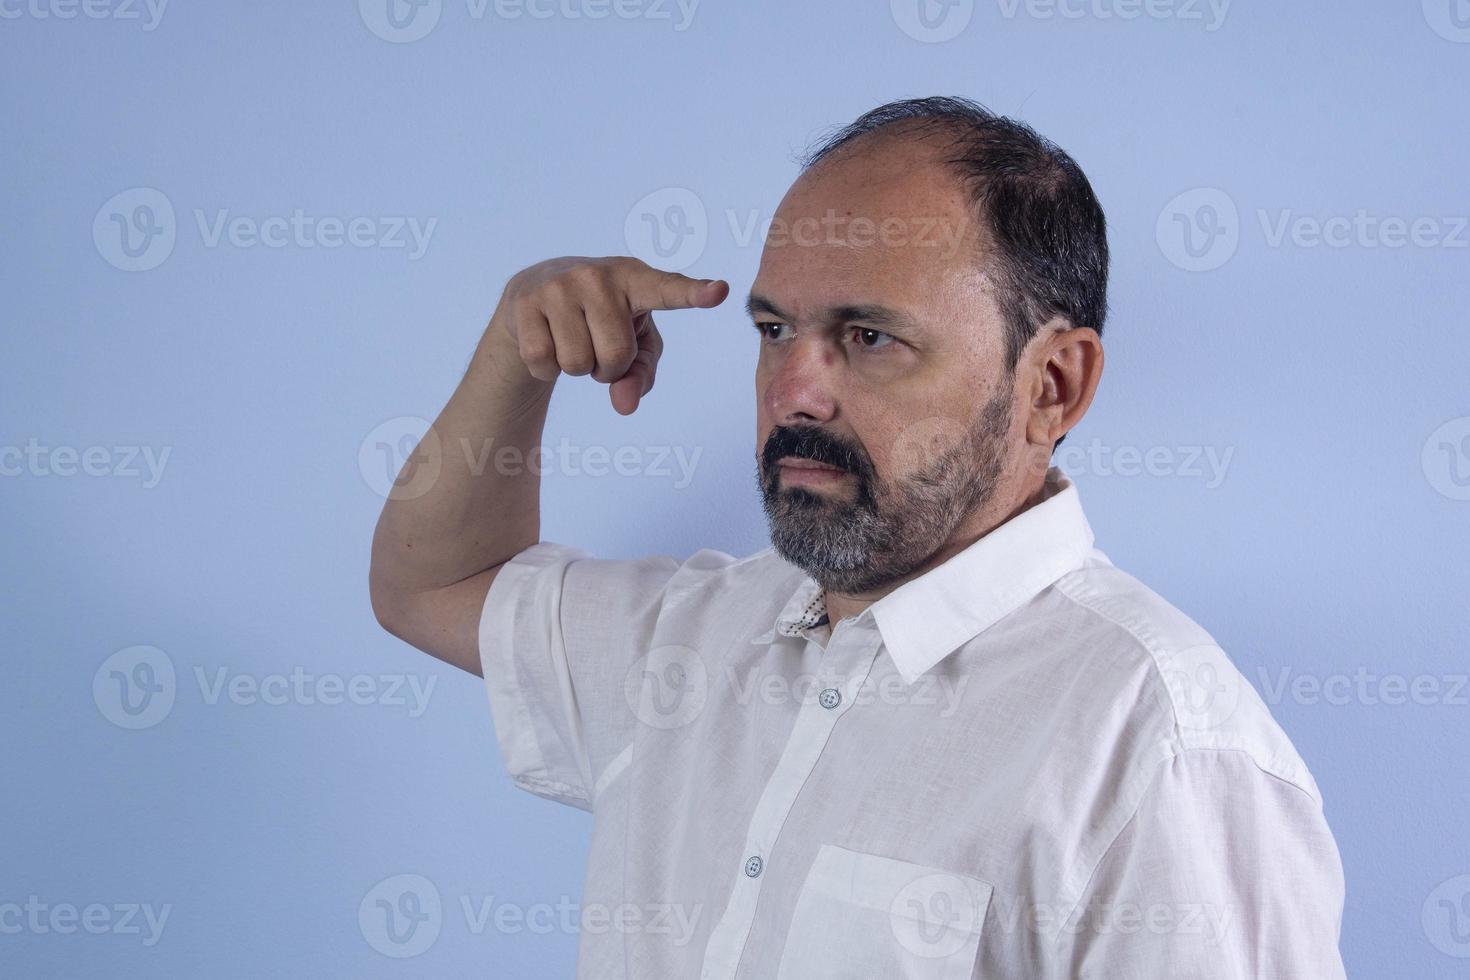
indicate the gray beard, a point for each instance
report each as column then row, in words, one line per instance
column 885, row 532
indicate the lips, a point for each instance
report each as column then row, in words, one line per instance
column 801, row 463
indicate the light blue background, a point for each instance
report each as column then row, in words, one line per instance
column 1335, row 543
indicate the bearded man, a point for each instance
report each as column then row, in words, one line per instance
column 932, row 731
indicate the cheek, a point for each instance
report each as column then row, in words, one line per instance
column 914, row 445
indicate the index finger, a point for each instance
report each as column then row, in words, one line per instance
column 649, row 289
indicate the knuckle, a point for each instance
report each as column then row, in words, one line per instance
column 586, row 276
column 672, row 290
column 619, row 355
column 522, row 309
column 554, row 292
column 537, row 350
column 577, row 362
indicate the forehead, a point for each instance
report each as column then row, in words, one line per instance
column 891, row 224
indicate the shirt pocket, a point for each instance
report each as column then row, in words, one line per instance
column 863, row 915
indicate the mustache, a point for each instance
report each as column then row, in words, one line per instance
column 814, row 443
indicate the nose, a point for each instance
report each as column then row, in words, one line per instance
column 801, row 382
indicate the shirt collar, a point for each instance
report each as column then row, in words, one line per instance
column 929, row 617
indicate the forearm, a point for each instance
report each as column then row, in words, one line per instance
column 466, row 500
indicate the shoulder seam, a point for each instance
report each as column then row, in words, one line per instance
column 1153, row 657
column 1285, row 770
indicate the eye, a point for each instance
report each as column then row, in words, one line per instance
column 871, row 339
column 766, row 329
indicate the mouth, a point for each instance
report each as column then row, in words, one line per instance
column 799, row 471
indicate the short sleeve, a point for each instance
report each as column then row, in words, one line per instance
column 559, row 632
column 1225, row 871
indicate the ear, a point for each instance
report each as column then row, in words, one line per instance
column 1066, row 364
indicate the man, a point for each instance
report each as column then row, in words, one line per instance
column 932, row 732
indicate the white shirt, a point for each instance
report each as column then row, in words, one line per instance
column 1021, row 764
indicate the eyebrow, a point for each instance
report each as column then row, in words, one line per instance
column 873, row 313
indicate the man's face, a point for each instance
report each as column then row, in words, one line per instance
column 884, row 408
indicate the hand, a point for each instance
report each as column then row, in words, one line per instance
column 582, row 315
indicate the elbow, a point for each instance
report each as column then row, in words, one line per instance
column 384, row 614
column 385, row 586
column 387, row 604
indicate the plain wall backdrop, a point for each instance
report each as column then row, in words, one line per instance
column 249, row 246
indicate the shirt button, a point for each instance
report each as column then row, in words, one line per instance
column 753, row 866
column 830, row 698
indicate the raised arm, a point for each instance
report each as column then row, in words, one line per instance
column 454, row 517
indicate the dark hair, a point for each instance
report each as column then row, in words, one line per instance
column 1037, row 210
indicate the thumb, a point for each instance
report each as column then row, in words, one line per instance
column 627, row 391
